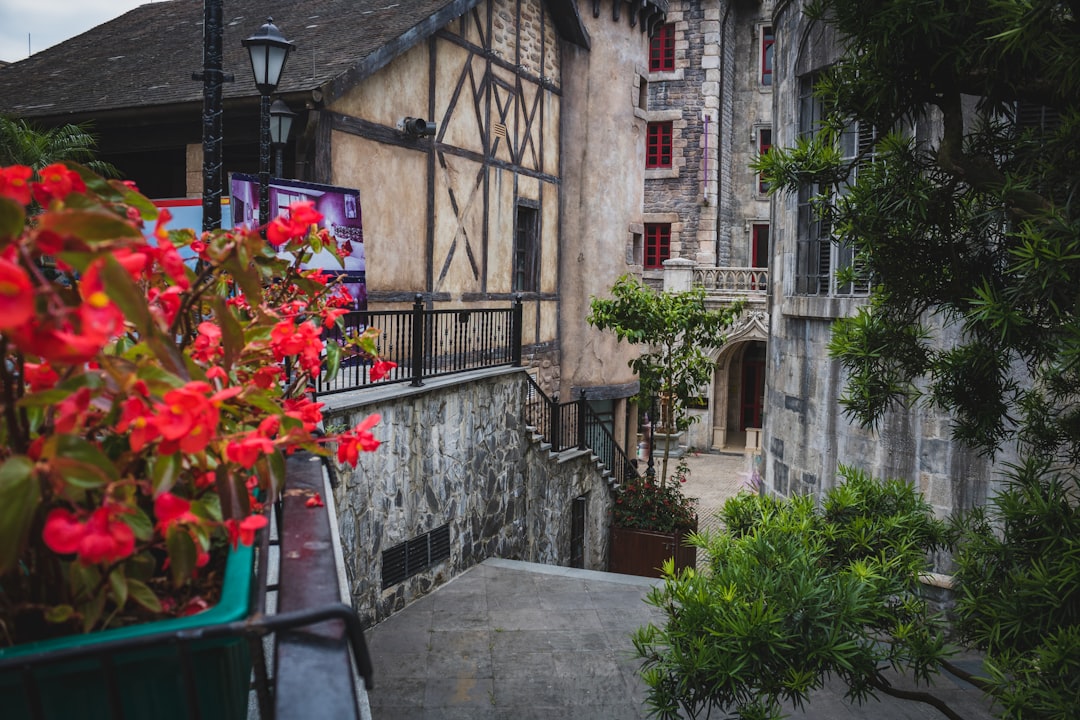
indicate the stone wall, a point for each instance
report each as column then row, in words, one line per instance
column 456, row 452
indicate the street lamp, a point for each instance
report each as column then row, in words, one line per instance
column 268, row 50
column 281, row 120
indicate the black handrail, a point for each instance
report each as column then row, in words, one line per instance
column 574, row 424
column 425, row 343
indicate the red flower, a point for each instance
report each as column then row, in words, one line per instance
column 40, row 376
column 331, row 314
column 188, row 417
column 71, row 411
column 301, row 217
column 357, row 440
column 100, row 316
column 207, row 345
column 16, row 295
column 136, row 420
column 380, row 368
column 244, row 531
column 15, row 183
column 246, row 452
column 267, row 375
column 56, row 181
column 304, row 410
column 315, row 501
column 102, row 539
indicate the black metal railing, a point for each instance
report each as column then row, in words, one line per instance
column 427, row 343
column 574, row 425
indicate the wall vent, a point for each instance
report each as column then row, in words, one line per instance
column 414, row 556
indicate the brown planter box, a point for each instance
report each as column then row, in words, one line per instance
column 643, row 552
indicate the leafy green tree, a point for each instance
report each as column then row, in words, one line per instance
column 974, row 226
column 23, row 144
column 1019, row 579
column 980, row 226
column 794, row 594
column 675, row 329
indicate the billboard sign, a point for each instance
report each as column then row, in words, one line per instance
column 340, row 208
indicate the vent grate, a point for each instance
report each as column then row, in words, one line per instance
column 414, row 556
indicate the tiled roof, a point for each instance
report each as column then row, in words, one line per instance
column 146, row 57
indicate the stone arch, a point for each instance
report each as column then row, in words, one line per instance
column 751, row 327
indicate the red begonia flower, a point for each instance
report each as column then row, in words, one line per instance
column 380, row 368
column 15, row 183
column 16, row 295
column 56, row 181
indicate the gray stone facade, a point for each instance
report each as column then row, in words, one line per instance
column 457, row 453
column 807, row 433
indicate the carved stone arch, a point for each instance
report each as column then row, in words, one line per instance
column 751, row 326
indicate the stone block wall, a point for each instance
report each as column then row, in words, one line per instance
column 457, row 453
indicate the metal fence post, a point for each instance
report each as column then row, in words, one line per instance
column 418, row 341
column 556, row 425
column 515, row 333
column 582, row 407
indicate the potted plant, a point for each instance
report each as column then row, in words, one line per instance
column 144, row 410
column 649, row 525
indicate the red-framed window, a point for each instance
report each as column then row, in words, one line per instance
column 658, row 145
column 657, row 245
column 764, row 144
column 767, row 40
column 662, row 49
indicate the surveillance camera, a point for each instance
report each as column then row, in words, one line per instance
column 418, row 127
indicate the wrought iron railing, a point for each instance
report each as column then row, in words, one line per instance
column 574, row 425
column 427, row 343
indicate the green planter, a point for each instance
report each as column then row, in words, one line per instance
column 150, row 682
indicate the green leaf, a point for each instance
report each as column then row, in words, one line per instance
column 92, row 226
column 12, row 218
column 80, row 462
column 20, row 495
column 123, row 291
column 143, row 595
column 232, row 335
column 164, row 470
column 58, row 614
column 182, row 555
column 333, row 360
column 140, row 523
column 119, row 586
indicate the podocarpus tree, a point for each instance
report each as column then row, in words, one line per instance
column 794, row 594
column 977, row 226
column 675, row 329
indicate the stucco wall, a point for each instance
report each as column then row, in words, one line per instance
column 457, row 453
column 603, row 179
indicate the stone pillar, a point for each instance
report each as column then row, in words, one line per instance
column 678, row 274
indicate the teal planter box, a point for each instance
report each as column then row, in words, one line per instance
column 150, row 682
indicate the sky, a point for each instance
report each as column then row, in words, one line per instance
column 48, row 22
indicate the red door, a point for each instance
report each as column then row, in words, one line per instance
column 753, row 387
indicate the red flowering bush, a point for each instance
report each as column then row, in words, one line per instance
column 144, row 409
column 643, row 504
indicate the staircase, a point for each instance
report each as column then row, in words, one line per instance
column 574, row 427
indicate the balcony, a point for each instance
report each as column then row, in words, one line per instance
column 723, row 285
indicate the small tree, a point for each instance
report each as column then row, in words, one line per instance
column 794, row 594
column 675, row 328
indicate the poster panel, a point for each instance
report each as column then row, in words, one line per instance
column 340, row 208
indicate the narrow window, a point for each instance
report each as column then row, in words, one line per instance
column 764, row 143
column 767, row 40
column 658, row 145
column 760, row 250
column 662, row 49
column 526, row 249
column 657, row 245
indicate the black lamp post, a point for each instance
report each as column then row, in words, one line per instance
column 281, row 120
column 269, row 50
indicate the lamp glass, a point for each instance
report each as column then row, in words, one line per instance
column 281, row 120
